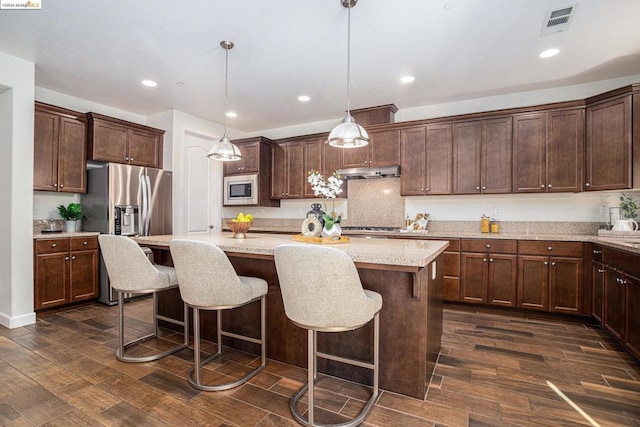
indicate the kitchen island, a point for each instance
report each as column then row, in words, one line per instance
column 407, row 273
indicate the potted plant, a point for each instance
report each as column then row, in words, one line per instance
column 628, row 206
column 72, row 215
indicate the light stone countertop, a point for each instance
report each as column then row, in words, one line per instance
column 62, row 234
column 392, row 252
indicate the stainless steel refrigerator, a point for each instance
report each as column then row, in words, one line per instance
column 126, row 200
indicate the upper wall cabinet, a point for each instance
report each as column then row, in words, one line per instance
column 250, row 161
column 383, row 150
column 289, row 177
column 426, row 160
column 60, row 147
column 548, row 151
column 613, row 140
column 482, row 156
column 119, row 141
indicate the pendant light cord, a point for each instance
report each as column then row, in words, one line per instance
column 226, row 84
column 348, row 54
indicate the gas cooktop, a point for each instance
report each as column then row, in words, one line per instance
column 367, row 228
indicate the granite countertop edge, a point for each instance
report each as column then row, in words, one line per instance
column 62, row 234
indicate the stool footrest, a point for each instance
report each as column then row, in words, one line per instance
column 346, row 360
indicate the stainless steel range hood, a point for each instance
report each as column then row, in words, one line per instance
column 370, row 172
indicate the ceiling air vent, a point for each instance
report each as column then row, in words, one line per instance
column 557, row 20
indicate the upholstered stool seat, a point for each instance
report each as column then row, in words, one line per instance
column 131, row 272
column 322, row 292
column 208, row 281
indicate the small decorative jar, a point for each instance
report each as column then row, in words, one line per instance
column 484, row 225
column 495, row 228
column 316, row 209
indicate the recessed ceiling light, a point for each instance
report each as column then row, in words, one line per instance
column 149, row 83
column 549, row 53
column 304, row 98
column 448, row 5
column 180, row 84
column 231, row 114
column 407, row 79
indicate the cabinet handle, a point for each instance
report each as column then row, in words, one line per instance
column 484, row 260
column 546, row 263
column 541, row 185
column 596, row 252
column 586, row 184
column 66, row 258
column 73, row 257
column 55, row 185
column 53, row 245
column 426, row 189
column 488, row 245
column 61, row 185
column 131, row 159
column 549, row 186
column 484, row 188
column 126, row 158
column 550, row 248
column 600, row 270
column 477, row 188
column 422, row 189
column 85, row 243
column 490, row 259
column 553, row 264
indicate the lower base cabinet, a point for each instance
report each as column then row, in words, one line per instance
column 597, row 290
column 66, row 271
column 632, row 341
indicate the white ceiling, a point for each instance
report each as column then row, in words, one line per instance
column 101, row 50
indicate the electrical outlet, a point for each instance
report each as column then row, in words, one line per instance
column 262, row 210
column 496, row 212
column 603, row 210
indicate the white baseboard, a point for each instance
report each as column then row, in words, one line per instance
column 17, row 321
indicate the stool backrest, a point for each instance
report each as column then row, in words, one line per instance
column 320, row 287
column 128, row 267
column 206, row 277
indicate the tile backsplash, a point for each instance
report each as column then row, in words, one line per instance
column 375, row 202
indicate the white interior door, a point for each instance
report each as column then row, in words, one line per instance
column 204, row 185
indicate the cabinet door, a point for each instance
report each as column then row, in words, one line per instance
column 331, row 162
column 529, row 153
column 412, row 161
column 565, row 285
column 250, row 162
column 355, row 157
column 83, row 276
column 312, row 160
column 608, row 149
column 474, row 277
column 296, row 175
column 45, row 151
column 72, row 160
column 565, row 150
column 467, row 140
column 451, row 273
column 496, row 159
column 144, row 148
column 385, row 148
column 615, row 304
column 633, row 316
column 52, row 278
column 502, row 280
column 439, row 160
column 278, row 171
column 597, row 294
column 533, row 282
column 109, row 142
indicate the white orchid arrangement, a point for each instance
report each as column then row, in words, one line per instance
column 328, row 189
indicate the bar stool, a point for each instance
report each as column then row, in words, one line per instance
column 208, row 281
column 326, row 300
column 130, row 271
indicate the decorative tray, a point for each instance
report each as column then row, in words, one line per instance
column 321, row 240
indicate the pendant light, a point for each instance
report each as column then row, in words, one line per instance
column 224, row 150
column 348, row 134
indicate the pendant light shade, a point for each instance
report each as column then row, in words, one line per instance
column 348, row 134
column 224, row 150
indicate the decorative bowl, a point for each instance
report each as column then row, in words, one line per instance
column 239, row 228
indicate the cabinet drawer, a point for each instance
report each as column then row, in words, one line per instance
column 494, row 246
column 83, row 243
column 49, row 246
column 552, row 248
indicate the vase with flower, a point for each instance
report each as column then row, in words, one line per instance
column 328, row 189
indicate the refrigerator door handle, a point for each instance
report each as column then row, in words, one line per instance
column 144, row 202
column 147, row 223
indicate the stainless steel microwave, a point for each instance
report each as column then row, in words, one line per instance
column 241, row 190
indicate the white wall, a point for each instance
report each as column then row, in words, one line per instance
column 16, row 184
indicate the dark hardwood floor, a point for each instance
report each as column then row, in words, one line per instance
column 494, row 370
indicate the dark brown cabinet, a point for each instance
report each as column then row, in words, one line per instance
column 66, row 271
column 119, row 141
column 250, row 161
column 289, row 178
column 383, row 150
column 632, row 341
column 548, row 151
column 482, row 156
column 614, row 320
column 312, row 152
column 597, row 290
column 488, row 271
column 550, row 276
column 613, row 140
column 60, row 150
column 426, row 160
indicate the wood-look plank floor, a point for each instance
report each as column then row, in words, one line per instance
column 493, row 371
